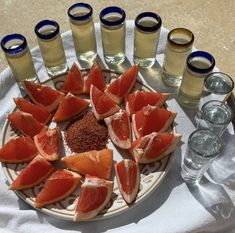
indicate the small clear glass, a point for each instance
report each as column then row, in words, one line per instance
column 113, row 32
column 198, row 65
column 83, row 31
column 215, row 115
column 178, row 47
column 51, row 46
column 203, row 147
column 146, row 38
column 19, row 58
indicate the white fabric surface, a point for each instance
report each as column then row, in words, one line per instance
column 173, row 207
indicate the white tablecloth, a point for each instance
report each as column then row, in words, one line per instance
column 173, row 207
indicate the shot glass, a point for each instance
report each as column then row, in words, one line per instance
column 146, row 37
column 203, row 147
column 113, row 33
column 178, row 47
column 51, row 46
column 215, row 115
column 83, row 31
column 198, row 65
column 19, row 58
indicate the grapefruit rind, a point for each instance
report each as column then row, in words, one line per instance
column 92, row 182
column 128, row 197
column 58, row 176
column 124, row 144
column 140, row 154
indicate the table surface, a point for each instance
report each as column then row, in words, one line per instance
column 211, row 21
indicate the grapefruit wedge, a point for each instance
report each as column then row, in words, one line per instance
column 154, row 146
column 48, row 143
column 139, row 99
column 69, row 107
column 123, row 85
column 95, row 195
column 128, row 179
column 74, row 81
column 43, row 95
column 18, row 150
column 34, row 173
column 102, row 105
column 57, row 187
column 119, row 129
column 95, row 163
column 25, row 123
column 151, row 119
column 95, row 77
column 40, row 113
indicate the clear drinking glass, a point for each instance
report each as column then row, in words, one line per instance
column 198, row 65
column 146, row 37
column 178, row 47
column 51, row 46
column 113, row 32
column 83, row 31
column 215, row 115
column 19, row 58
column 203, row 147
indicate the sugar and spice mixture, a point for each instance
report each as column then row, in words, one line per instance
column 86, row 134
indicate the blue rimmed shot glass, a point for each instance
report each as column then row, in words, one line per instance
column 51, row 46
column 83, row 31
column 113, row 33
column 198, row 65
column 146, row 37
column 19, row 58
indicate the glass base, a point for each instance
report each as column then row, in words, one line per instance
column 33, row 79
column 187, row 101
column 115, row 60
column 144, row 62
column 171, row 80
column 57, row 70
column 88, row 56
column 190, row 176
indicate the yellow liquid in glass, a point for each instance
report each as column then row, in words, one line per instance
column 145, row 44
column 84, row 39
column 113, row 41
column 52, row 51
column 192, row 85
column 22, row 66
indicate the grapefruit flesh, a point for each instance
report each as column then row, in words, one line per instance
column 43, row 95
column 139, row 99
column 57, row 187
column 128, row 179
column 102, row 105
column 119, row 129
column 95, row 163
column 151, row 119
column 69, row 107
column 25, row 123
column 95, row 195
column 34, row 173
column 74, row 81
column 154, row 146
column 18, row 150
column 95, row 77
column 48, row 143
column 123, row 85
column 40, row 113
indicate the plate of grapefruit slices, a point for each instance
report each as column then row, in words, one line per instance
column 88, row 184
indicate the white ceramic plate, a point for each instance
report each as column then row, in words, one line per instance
column 151, row 174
